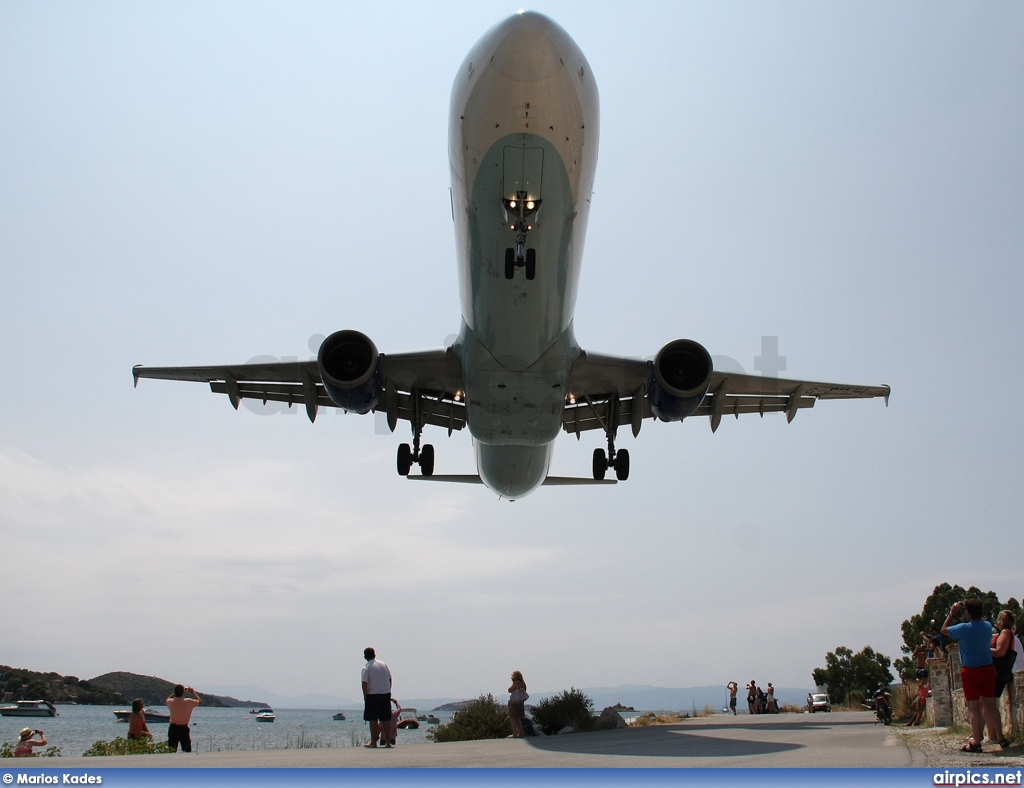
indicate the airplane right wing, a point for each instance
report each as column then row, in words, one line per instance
column 608, row 391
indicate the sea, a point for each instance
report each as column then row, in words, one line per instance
column 76, row 728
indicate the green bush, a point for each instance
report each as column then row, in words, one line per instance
column 122, row 746
column 571, row 707
column 6, row 751
column 484, row 718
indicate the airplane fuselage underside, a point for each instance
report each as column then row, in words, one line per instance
column 523, row 151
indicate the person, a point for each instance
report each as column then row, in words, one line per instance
column 1003, row 654
column 23, row 749
column 810, row 702
column 770, row 706
column 181, row 712
column 517, row 697
column 389, row 731
column 919, row 704
column 978, row 674
column 752, row 696
column 376, row 681
column 137, row 728
column 732, row 686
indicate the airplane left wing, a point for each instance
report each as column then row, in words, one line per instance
column 424, row 386
column 607, row 391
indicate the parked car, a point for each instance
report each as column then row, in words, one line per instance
column 819, row 702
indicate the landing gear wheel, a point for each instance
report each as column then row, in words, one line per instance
column 510, row 263
column 622, row 465
column 531, row 263
column 427, row 460
column 404, row 459
column 600, row 464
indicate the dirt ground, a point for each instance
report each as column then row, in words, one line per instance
column 942, row 748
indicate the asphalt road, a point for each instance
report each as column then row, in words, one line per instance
column 841, row 739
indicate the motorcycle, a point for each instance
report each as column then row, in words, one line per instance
column 883, row 712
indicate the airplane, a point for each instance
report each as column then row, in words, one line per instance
column 523, row 140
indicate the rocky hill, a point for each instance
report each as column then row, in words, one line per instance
column 110, row 689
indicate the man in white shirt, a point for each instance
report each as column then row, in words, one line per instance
column 376, row 679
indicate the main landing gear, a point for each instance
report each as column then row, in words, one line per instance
column 407, row 455
column 619, row 460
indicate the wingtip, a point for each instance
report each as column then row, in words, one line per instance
column 135, row 375
column 888, row 391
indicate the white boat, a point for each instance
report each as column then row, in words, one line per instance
column 29, row 708
column 339, row 716
column 266, row 715
column 151, row 715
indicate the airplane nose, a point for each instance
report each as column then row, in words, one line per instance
column 528, row 47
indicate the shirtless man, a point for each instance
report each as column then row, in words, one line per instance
column 732, row 686
column 181, row 712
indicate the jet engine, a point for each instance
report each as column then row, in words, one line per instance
column 680, row 379
column 349, row 371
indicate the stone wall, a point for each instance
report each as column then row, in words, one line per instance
column 947, row 707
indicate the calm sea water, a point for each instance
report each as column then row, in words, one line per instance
column 76, row 728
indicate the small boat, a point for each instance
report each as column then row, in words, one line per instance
column 432, row 720
column 266, row 715
column 339, row 716
column 29, row 708
column 421, row 717
column 261, row 708
column 151, row 715
column 407, row 719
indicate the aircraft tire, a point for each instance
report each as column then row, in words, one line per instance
column 531, row 263
column 600, row 464
column 622, row 465
column 427, row 460
column 510, row 263
column 404, row 459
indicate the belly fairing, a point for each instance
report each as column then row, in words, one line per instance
column 513, row 471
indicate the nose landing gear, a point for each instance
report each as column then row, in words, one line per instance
column 521, row 208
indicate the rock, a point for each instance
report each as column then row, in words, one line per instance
column 566, row 729
column 610, row 718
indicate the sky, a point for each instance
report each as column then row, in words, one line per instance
column 209, row 183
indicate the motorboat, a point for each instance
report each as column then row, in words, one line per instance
column 151, row 715
column 432, row 720
column 266, row 715
column 339, row 716
column 407, row 719
column 29, row 708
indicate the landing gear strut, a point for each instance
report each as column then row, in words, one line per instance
column 521, row 207
column 408, row 455
column 619, row 460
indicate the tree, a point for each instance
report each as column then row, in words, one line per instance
column 848, row 675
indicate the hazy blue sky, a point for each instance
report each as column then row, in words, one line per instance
column 200, row 183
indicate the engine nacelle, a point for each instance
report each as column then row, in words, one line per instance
column 349, row 367
column 681, row 376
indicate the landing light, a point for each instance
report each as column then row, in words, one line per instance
column 529, row 205
column 572, row 399
column 511, row 203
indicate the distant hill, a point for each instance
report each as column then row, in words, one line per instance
column 110, row 689
column 23, row 684
column 155, row 690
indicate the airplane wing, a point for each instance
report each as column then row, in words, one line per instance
column 426, row 385
column 608, row 390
